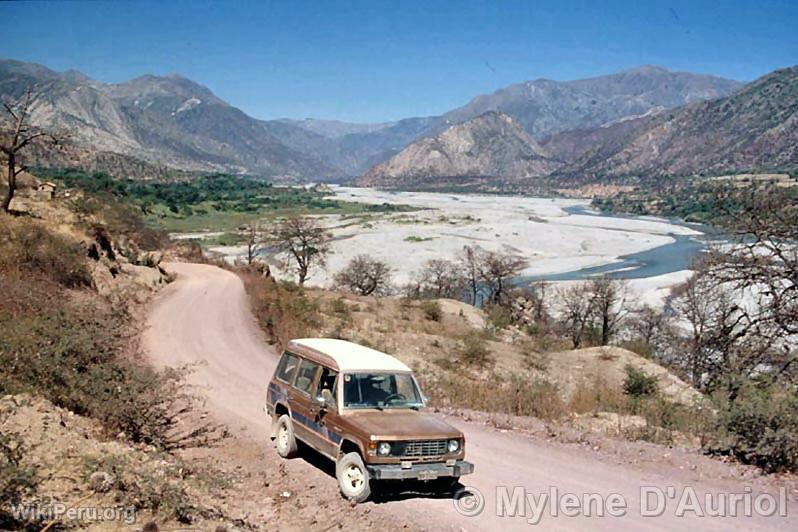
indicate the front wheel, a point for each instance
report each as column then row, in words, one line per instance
column 285, row 440
column 446, row 484
column 353, row 477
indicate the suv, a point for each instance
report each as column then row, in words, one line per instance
column 362, row 409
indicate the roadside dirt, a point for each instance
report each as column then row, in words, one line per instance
column 203, row 319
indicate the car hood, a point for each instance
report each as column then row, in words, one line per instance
column 404, row 424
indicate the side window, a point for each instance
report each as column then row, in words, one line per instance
column 327, row 384
column 305, row 376
column 287, row 368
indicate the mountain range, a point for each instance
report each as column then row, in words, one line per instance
column 154, row 122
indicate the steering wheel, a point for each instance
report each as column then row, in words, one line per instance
column 394, row 396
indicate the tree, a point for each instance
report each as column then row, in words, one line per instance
column 721, row 344
column 440, row 278
column 365, row 276
column 608, row 299
column 495, row 269
column 301, row 241
column 254, row 242
column 576, row 312
column 537, row 298
column 16, row 133
column 469, row 261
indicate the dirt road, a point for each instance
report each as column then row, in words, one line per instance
column 203, row 319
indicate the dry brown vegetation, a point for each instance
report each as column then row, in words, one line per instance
column 467, row 358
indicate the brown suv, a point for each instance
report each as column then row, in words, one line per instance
column 362, row 409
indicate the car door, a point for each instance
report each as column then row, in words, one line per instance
column 327, row 419
column 303, row 411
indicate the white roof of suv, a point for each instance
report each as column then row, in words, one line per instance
column 351, row 357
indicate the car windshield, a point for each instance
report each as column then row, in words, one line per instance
column 381, row 390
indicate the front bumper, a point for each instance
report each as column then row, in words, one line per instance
column 420, row 471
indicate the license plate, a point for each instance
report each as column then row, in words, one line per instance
column 427, row 475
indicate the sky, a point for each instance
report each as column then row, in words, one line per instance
column 373, row 61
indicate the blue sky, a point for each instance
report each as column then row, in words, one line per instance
column 374, row 61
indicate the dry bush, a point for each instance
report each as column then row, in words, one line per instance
column 505, row 394
column 283, row 310
column 16, row 481
column 28, row 248
column 432, row 310
column 473, row 349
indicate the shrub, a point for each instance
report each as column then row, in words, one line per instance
column 72, row 353
column 432, row 310
column 638, row 384
column 283, row 310
column 16, row 481
column 497, row 393
column 29, row 248
column 473, row 349
column 760, row 427
column 499, row 317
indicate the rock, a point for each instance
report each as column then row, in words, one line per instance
column 101, row 482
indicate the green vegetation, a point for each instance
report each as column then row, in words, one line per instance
column 60, row 340
column 699, row 200
column 218, row 202
column 414, row 238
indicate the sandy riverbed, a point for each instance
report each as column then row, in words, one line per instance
column 539, row 229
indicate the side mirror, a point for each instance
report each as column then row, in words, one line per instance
column 320, row 401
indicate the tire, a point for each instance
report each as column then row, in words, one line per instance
column 353, row 478
column 285, row 440
column 446, row 484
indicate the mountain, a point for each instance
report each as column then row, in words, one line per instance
column 153, row 123
column 492, row 145
column 755, row 128
column 544, row 107
column 164, row 121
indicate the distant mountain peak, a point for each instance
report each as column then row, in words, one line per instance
column 491, row 145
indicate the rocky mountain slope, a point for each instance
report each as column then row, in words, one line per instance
column 150, row 123
column 756, row 128
column 492, row 145
column 544, row 107
column 164, row 121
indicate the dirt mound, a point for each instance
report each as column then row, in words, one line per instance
column 583, row 366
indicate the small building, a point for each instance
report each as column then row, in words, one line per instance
column 46, row 190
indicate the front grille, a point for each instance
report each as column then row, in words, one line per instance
column 420, row 448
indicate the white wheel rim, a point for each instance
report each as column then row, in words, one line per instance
column 282, row 437
column 355, row 478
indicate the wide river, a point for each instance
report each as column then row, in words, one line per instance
column 563, row 239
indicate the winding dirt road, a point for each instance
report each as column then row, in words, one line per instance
column 203, row 319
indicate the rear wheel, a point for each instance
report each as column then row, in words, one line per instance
column 353, row 477
column 285, row 440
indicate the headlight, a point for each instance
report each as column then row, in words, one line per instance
column 453, row 446
column 384, row 449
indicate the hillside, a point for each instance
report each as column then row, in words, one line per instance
column 151, row 124
column 492, row 145
column 163, row 121
column 545, row 107
column 756, row 129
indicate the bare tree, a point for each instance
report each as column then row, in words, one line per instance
column 254, row 242
column 495, row 270
column 16, row 133
column 469, row 262
column 302, row 241
column 720, row 343
column 609, row 306
column 649, row 325
column 440, row 278
column 537, row 297
column 576, row 312
column 365, row 275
